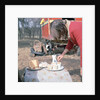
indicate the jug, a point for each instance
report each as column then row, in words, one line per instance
column 54, row 60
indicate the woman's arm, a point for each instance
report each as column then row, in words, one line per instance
column 69, row 45
column 67, row 48
column 65, row 51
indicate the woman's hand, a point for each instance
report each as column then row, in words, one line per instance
column 62, row 55
column 59, row 57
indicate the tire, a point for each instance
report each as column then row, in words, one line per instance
column 32, row 55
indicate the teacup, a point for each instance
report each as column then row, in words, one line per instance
column 55, row 67
column 59, row 65
column 49, row 67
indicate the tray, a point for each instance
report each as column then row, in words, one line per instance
column 28, row 68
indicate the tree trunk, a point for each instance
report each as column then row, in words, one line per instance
column 40, row 33
column 23, row 28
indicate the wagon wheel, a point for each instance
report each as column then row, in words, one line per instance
column 32, row 55
column 50, row 47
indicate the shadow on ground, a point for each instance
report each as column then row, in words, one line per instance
column 73, row 67
column 75, row 72
column 23, row 44
column 21, row 74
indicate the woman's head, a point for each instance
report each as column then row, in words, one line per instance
column 58, row 30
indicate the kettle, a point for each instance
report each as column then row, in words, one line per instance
column 54, row 60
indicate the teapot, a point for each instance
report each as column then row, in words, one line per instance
column 54, row 60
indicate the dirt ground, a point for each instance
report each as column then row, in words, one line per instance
column 70, row 62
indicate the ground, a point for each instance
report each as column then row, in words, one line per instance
column 70, row 62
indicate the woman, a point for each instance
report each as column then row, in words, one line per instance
column 70, row 30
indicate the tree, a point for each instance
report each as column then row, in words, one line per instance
column 29, row 26
column 21, row 27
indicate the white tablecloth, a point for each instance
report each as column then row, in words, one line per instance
column 44, row 75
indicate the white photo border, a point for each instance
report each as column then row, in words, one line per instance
column 12, row 86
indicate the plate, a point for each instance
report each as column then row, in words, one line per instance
column 28, row 68
column 62, row 67
column 43, row 64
